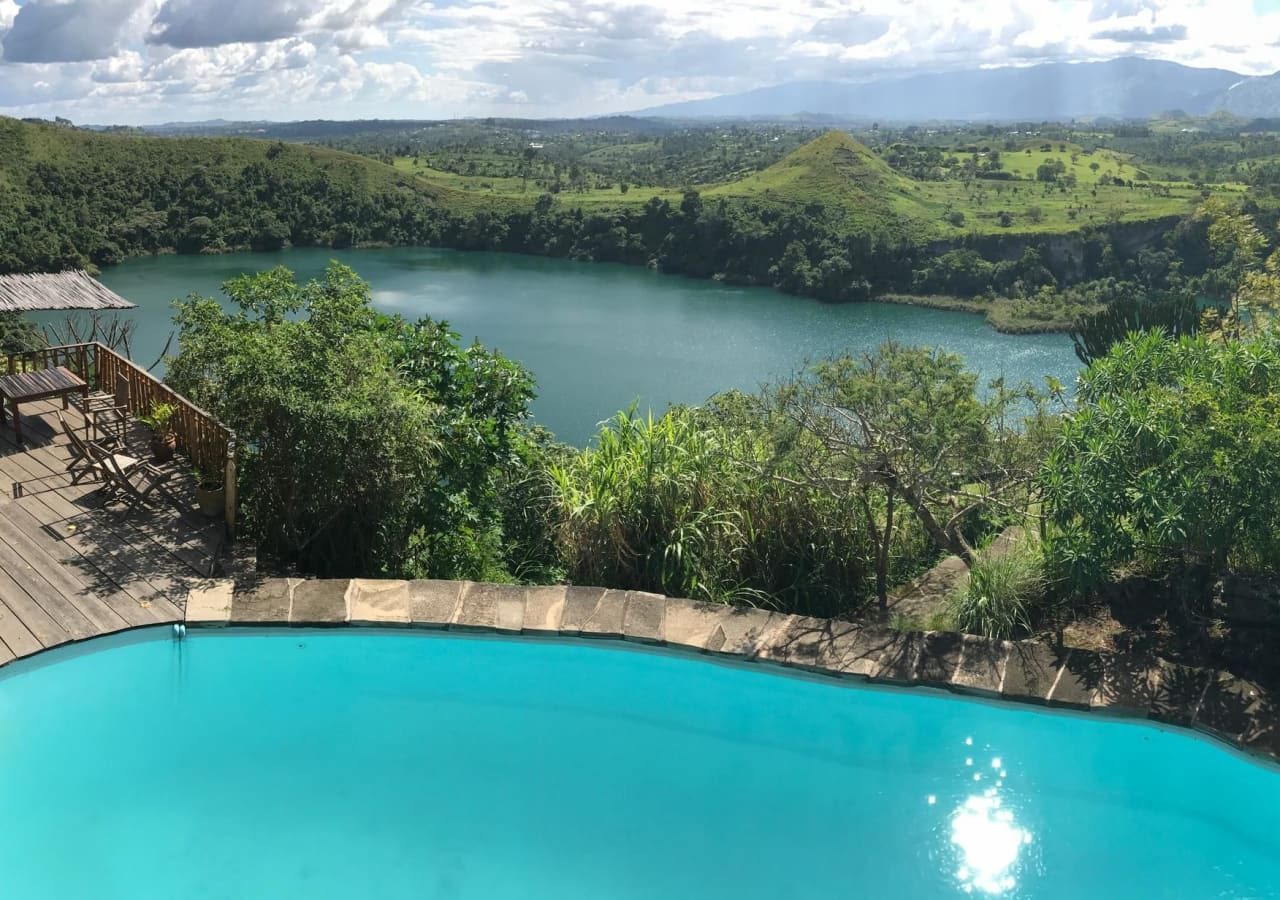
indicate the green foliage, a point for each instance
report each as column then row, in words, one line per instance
column 526, row 499
column 1003, row 593
column 159, row 417
column 1247, row 277
column 904, row 429
column 369, row 445
column 829, row 219
column 19, row 334
column 686, row 505
column 1051, row 170
column 70, row 198
column 1169, row 461
column 1095, row 333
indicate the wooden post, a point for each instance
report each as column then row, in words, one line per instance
column 230, row 485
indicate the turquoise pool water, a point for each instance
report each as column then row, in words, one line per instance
column 326, row 765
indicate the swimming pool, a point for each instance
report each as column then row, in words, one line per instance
column 344, row 764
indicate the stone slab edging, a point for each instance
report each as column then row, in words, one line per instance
column 1129, row 685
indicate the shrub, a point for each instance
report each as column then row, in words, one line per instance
column 1169, row 462
column 680, row 505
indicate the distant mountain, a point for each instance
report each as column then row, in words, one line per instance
column 324, row 129
column 1127, row 88
column 1254, row 97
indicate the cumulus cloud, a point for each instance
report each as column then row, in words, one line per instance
column 143, row 59
column 123, row 69
column 199, row 23
column 8, row 12
column 1108, row 9
column 46, row 31
column 1158, row 35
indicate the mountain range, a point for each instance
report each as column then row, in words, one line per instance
column 1128, row 88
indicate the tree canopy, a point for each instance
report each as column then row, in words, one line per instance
column 1170, row 460
column 368, row 443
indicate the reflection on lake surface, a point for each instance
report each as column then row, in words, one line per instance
column 598, row 337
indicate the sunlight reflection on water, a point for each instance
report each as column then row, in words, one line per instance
column 990, row 842
column 986, row 837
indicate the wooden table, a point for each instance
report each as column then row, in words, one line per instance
column 25, row 387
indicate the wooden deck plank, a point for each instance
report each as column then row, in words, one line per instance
column 34, row 618
column 68, row 600
column 92, row 582
column 15, row 635
column 178, row 537
column 100, row 551
column 196, row 543
column 163, row 576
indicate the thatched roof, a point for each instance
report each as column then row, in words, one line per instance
column 75, row 289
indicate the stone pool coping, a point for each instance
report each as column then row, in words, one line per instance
column 1127, row 685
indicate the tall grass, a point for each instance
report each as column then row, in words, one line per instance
column 680, row 505
column 1004, row 592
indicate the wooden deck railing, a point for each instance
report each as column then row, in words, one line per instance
column 210, row 445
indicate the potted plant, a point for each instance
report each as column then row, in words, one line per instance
column 211, row 492
column 164, row 440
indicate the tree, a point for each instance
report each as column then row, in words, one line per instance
column 1247, row 279
column 19, row 334
column 1169, row 461
column 904, row 426
column 792, row 273
column 368, row 444
column 1050, row 171
column 1093, row 335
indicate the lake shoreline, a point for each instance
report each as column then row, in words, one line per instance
column 1003, row 322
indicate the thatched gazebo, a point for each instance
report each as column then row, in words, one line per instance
column 75, row 289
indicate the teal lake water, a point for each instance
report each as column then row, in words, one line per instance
column 337, row 765
column 598, row 337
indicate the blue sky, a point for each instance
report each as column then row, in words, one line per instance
column 140, row 61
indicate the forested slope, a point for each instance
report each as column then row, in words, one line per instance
column 68, row 197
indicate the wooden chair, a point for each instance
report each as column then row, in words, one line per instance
column 109, row 413
column 121, row 480
column 85, row 455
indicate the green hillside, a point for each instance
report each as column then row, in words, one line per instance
column 68, row 197
column 860, row 190
column 835, row 170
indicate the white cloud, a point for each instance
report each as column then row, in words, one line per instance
column 199, row 23
column 129, row 60
column 66, row 30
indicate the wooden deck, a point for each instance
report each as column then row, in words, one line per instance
column 73, row 566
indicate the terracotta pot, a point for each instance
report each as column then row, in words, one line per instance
column 163, row 446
